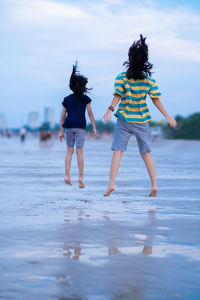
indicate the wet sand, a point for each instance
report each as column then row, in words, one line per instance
column 60, row 242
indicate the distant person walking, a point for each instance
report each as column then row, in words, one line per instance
column 74, row 124
column 132, row 87
column 22, row 134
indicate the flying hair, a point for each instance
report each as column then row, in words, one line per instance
column 77, row 82
column 137, row 64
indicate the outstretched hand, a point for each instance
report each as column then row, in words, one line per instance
column 107, row 117
column 172, row 122
column 61, row 136
column 95, row 133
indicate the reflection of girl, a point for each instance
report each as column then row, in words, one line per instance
column 133, row 115
column 75, row 106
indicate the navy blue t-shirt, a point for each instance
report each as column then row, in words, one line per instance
column 75, row 111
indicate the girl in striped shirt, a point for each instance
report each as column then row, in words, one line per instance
column 132, row 87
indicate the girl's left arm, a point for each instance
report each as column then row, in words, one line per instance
column 91, row 116
column 160, row 107
column 63, row 116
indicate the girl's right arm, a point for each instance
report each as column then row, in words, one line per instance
column 61, row 132
column 108, row 116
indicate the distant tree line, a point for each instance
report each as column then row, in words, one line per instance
column 188, row 127
column 102, row 127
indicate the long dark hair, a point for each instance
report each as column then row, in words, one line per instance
column 77, row 82
column 137, row 63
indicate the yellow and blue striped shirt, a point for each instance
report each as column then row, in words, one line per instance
column 132, row 107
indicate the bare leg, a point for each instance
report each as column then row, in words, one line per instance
column 116, row 158
column 152, row 172
column 80, row 161
column 68, row 160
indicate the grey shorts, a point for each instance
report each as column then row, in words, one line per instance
column 75, row 135
column 123, row 132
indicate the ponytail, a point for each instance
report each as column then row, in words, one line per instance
column 77, row 82
column 137, row 64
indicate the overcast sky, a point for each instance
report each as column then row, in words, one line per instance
column 41, row 39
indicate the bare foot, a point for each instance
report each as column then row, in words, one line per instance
column 68, row 180
column 81, row 183
column 109, row 191
column 153, row 192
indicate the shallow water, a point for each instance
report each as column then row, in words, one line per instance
column 60, row 242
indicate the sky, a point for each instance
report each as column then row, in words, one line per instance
column 41, row 39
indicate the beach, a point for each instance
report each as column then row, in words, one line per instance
column 62, row 242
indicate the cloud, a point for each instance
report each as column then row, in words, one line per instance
column 98, row 28
column 40, row 39
column 177, row 49
column 42, row 11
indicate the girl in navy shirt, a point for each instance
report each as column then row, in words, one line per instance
column 74, row 123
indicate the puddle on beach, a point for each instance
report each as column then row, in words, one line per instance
column 100, row 255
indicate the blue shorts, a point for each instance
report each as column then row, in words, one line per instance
column 123, row 132
column 75, row 135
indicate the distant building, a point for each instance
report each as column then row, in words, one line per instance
column 33, row 120
column 49, row 116
column 3, row 123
